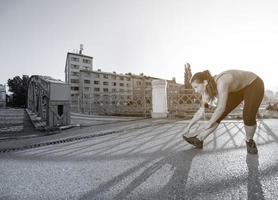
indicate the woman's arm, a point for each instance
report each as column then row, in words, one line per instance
column 197, row 116
column 223, row 91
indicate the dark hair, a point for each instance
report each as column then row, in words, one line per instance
column 211, row 87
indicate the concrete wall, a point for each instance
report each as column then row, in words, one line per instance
column 159, row 99
column 59, row 92
column 2, row 96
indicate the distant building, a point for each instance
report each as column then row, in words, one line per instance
column 97, row 86
column 269, row 96
column 2, row 96
column 88, row 85
column 75, row 62
column 276, row 96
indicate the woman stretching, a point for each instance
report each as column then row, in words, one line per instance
column 230, row 88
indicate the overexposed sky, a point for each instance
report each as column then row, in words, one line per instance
column 156, row 37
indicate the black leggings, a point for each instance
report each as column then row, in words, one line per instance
column 252, row 95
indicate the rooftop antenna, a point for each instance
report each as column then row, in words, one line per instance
column 81, row 49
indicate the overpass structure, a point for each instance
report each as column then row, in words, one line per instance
column 49, row 100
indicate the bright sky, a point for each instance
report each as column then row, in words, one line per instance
column 156, row 37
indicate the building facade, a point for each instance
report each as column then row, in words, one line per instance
column 98, row 92
column 2, row 96
column 74, row 64
column 102, row 89
column 94, row 88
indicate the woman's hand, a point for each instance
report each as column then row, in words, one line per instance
column 186, row 130
column 207, row 125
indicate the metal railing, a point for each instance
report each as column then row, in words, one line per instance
column 182, row 102
column 135, row 103
column 185, row 102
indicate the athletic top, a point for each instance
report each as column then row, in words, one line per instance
column 241, row 79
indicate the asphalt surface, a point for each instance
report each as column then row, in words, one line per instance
column 146, row 161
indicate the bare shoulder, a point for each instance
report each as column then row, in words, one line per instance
column 225, row 80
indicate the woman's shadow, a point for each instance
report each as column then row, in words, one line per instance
column 180, row 163
column 254, row 186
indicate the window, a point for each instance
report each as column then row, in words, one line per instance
column 86, row 61
column 96, row 89
column 127, row 85
column 87, row 96
column 114, row 84
column 128, row 78
column 105, row 76
column 122, row 78
column 75, row 95
column 74, row 59
column 87, row 74
column 86, row 68
column 74, row 66
column 87, row 81
column 121, row 84
column 114, row 90
column 138, row 83
column 74, row 81
column 105, row 89
column 113, row 77
column 97, row 75
column 74, row 88
column 75, row 73
column 86, row 89
column 96, row 82
column 105, row 83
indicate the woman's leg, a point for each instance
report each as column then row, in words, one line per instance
column 253, row 97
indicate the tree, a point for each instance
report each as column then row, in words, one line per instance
column 187, row 76
column 19, row 87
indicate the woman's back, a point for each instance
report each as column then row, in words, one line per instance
column 237, row 79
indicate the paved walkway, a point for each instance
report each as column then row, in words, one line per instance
column 144, row 159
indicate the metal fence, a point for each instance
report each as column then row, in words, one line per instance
column 182, row 102
column 135, row 103
column 185, row 102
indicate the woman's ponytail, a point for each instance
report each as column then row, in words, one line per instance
column 211, row 87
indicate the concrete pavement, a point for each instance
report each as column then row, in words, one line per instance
column 144, row 159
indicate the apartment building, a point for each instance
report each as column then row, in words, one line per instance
column 92, row 87
column 75, row 62
column 95, row 82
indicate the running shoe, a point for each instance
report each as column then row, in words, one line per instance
column 194, row 141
